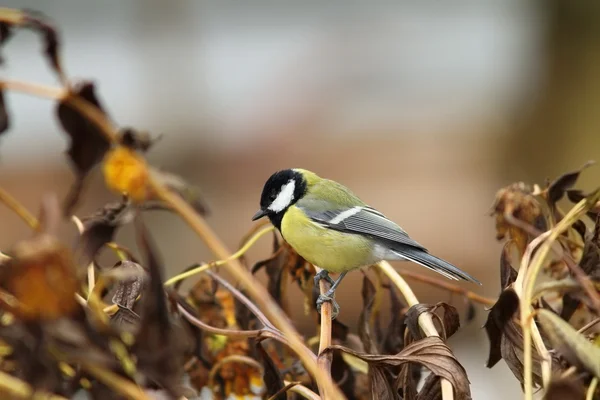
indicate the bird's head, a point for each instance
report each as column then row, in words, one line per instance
column 281, row 190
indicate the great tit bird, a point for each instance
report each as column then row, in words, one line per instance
column 330, row 227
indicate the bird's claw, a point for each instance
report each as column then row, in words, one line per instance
column 335, row 308
column 322, row 274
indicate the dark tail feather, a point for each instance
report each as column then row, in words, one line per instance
column 434, row 263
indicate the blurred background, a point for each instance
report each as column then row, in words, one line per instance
column 424, row 109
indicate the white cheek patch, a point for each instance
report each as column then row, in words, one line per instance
column 284, row 198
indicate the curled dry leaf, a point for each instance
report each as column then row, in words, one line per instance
column 99, row 228
column 393, row 340
column 126, row 293
column 365, row 330
column 276, row 267
column 557, row 189
column 88, row 144
column 39, row 22
column 450, row 321
column 430, row 352
column 572, row 345
column 507, row 273
column 499, row 316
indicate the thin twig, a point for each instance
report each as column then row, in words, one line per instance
column 589, row 325
column 256, row 291
column 236, row 255
column 425, row 321
column 19, row 209
column 303, row 391
column 449, row 287
column 217, row 331
column 242, row 298
column 324, row 358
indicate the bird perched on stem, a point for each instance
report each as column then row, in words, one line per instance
column 331, row 228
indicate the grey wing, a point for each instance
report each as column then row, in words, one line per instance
column 362, row 220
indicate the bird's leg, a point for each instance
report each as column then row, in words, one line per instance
column 328, row 296
column 322, row 274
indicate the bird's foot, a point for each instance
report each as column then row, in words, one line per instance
column 328, row 297
column 322, row 274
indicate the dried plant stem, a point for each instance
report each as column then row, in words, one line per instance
column 229, row 359
column 449, row 287
column 425, row 320
column 302, row 391
column 18, row 208
column 256, row 291
column 531, row 271
column 18, row 389
column 217, row 331
column 592, row 389
column 324, row 360
column 213, row 264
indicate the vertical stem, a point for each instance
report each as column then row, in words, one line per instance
column 324, row 360
column 254, row 288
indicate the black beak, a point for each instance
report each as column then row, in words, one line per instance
column 259, row 214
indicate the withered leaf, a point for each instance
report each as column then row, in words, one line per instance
column 4, row 122
column 39, row 22
column 365, row 332
column 471, row 311
column 450, row 321
column 130, row 288
column 430, row 352
column 507, row 273
column 271, row 375
column 393, row 340
column 565, row 388
column 160, row 344
column 572, row 345
column 559, row 186
column 381, row 385
column 100, row 227
column 275, row 268
column 88, row 144
column 188, row 192
column 500, row 314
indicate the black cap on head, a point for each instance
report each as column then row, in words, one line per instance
column 281, row 190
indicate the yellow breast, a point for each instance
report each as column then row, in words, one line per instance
column 328, row 249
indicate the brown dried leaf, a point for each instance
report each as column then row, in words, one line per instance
column 39, row 22
column 431, row 390
column 365, row 333
column 430, row 352
column 342, row 374
column 160, row 344
column 271, row 375
column 499, row 316
column 559, row 186
column 450, row 321
column 507, row 273
column 393, row 340
column 275, row 267
column 130, row 288
column 88, row 144
column 572, row 345
column 100, row 227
